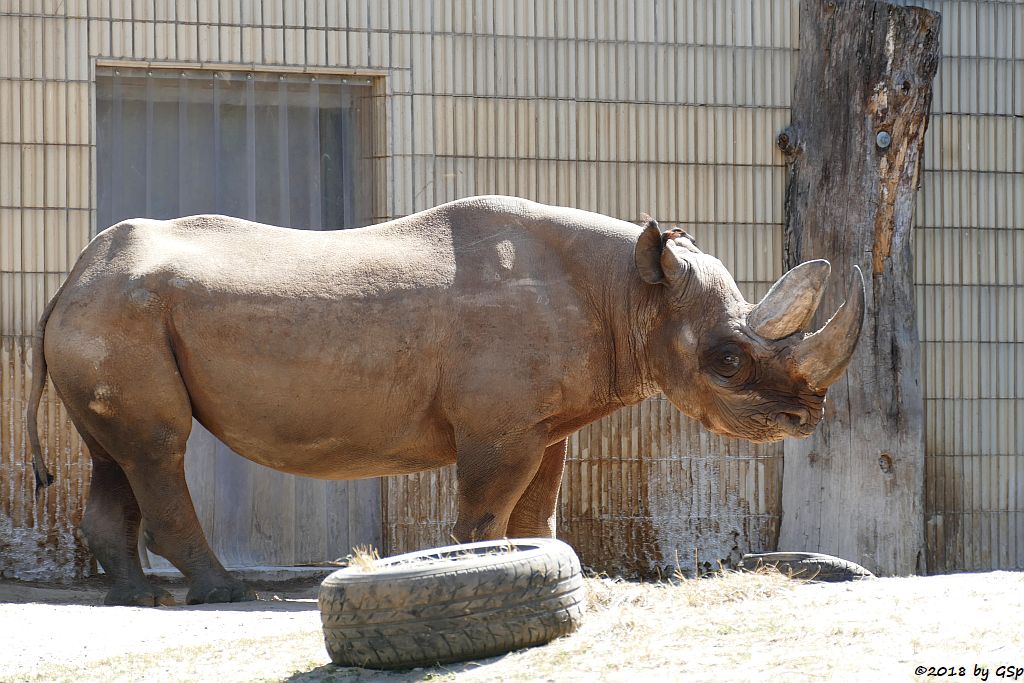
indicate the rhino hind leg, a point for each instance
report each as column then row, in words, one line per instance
column 138, row 409
column 534, row 513
column 172, row 527
column 173, row 531
column 110, row 526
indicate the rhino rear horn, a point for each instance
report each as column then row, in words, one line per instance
column 823, row 356
column 791, row 302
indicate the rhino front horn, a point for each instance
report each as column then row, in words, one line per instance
column 823, row 356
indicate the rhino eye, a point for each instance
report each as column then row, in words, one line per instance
column 729, row 361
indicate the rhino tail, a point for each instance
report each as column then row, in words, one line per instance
column 42, row 474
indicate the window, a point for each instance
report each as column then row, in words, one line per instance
column 279, row 149
column 282, row 149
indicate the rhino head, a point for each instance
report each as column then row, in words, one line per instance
column 744, row 370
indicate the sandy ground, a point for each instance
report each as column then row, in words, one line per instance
column 733, row 628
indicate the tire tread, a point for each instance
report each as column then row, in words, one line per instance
column 441, row 617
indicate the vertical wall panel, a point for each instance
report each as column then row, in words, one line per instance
column 970, row 293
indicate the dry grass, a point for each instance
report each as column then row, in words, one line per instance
column 740, row 627
column 633, row 626
column 364, row 558
column 607, row 595
column 247, row 660
column 730, row 627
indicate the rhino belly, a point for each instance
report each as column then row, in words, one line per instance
column 327, row 397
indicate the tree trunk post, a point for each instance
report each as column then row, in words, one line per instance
column 860, row 110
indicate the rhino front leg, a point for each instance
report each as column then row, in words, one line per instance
column 492, row 478
column 534, row 514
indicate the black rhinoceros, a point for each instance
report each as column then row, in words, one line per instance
column 482, row 332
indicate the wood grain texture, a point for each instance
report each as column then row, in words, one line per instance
column 855, row 488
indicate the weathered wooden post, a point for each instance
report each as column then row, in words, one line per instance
column 854, row 147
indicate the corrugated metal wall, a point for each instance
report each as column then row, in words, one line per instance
column 617, row 106
column 45, row 220
column 970, row 270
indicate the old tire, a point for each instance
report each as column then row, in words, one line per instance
column 451, row 604
column 807, row 566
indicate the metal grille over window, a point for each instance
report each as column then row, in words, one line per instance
column 283, row 149
column 275, row 148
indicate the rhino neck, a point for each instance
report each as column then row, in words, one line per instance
column 597, row 254
column 631, row 310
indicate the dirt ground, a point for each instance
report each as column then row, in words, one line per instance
column 737, row 627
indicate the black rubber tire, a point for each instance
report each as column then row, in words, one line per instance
column 807, row 566
column 452, row 604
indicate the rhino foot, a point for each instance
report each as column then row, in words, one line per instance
column 136, row 595
column 222, row 589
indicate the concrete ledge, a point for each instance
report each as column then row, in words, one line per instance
column 259, row 574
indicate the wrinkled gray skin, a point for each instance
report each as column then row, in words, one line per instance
column 482, row 332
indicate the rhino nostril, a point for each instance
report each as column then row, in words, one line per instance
column 792, row 419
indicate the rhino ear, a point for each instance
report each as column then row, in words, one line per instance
column 647, row 254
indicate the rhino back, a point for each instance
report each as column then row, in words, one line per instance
column 367, row 342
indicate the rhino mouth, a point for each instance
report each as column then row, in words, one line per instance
column 762, row 428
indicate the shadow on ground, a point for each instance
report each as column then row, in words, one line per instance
column 329, row 673
column 294, row 596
